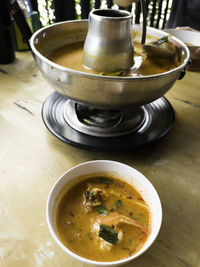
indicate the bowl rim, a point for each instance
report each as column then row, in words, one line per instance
column 93, row 262
column 179, row 33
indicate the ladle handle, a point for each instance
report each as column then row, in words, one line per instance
column 144, row 14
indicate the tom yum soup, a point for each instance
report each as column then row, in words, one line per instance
column 102, row 218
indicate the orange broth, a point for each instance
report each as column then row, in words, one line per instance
column 74, row 224
column 71, row 56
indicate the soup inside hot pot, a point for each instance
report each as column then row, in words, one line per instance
column 71, row 56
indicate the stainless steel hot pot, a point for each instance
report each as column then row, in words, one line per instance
column 95, row 90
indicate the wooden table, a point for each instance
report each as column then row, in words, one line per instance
column 32, row 159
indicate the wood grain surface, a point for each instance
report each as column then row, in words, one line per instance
column 32, row 159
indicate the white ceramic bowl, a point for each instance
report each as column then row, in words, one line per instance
column 190, row 38
column 124, row 172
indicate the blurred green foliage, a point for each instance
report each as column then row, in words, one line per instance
column 157, row 8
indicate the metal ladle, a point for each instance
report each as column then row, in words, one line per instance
column 152, row 50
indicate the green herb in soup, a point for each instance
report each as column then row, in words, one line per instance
column 110, row 220
column 108, row 233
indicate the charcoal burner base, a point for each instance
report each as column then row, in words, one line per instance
column 159, row 119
